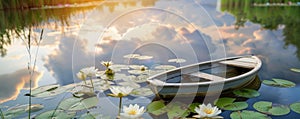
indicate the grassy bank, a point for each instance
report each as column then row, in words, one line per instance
column 26, row 4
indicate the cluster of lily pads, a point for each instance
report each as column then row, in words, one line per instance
column 112, row 79
column 264, row 109
column 118, row 84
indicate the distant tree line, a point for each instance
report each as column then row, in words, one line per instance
column 25, row 4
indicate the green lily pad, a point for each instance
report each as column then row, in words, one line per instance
column 42, row 89
column 295, row 107
column 57, row 114
column 177, row 110
column 102, row 84
column 193, row 106
column 131, row 56
column 229, row 104
column 141, row 78
column 51, row 90
column 246, row 114
column 21, row 109
column 141, row 92
column 295, row 70
column 144, row 57
column 236, row 106
column 68, row 103
column 177, row 60
column 222, row 102
column 84, row 104
column 138, row 67
column 272, row 109
column 137, row 72
column 279, row 83
column 130, row 84
column 165, row 67
column 247, row 93
column 157, row 108
column 118, row 67
column 94, row 115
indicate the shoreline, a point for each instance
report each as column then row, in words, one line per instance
column 54, row 6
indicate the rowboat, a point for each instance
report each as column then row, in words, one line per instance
column 208, row 77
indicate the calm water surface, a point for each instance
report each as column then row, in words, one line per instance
column 79, row 37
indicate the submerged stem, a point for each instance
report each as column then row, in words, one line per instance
column 29, row 108
column 92, row 83
column 120, row 106
column 2, row 115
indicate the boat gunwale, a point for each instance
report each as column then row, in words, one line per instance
column 252, row 71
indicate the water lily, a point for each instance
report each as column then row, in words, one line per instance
column 89, row 71
column 80, row 75
column 132, row 112
column 107, row 63
column 119, row 91
column 207, row 111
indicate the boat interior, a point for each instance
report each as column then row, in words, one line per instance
column 211, row 71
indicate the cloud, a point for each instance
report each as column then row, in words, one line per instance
column 60, row 61
column 12, row 83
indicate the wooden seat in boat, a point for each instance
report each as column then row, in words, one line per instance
column 206, row 76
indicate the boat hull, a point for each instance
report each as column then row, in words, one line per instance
column 201, row 90
column 165, row 89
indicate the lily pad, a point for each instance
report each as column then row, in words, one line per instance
column 177, row 60
column 272, row 109
column 246, row 114
column 94, row 115
column 131, row 56
column 69, row 102
column 221, row 102
column 247, row 93
column 295, row 70
column 177, row 110
column 118, row 67
column 84, row 104
column 21, row 109
column 57, row 114
column 229, row 104
column 42, row 89
column 193, row 106
column 141, row 92
column 144, row 57
column 157, row 108
column 141, row 78
column 236, row 106
column 165, row 67
column 138, row 67
column 279, row 83
column 137, row 72
column 130, row 84
column 295, row 107
column 102, row 85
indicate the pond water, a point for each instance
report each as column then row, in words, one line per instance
column 159, row 30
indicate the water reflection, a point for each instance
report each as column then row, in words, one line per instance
column 12, row 83
column 273, row 37
column 271, row 18
column 13, row 23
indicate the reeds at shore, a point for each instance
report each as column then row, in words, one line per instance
column 26, row 4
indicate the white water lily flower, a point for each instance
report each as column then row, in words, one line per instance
column 120, row 91
column 80, row 75
column 107, row 63
column 207, row 111
column 132, row 112
column 89, row 71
